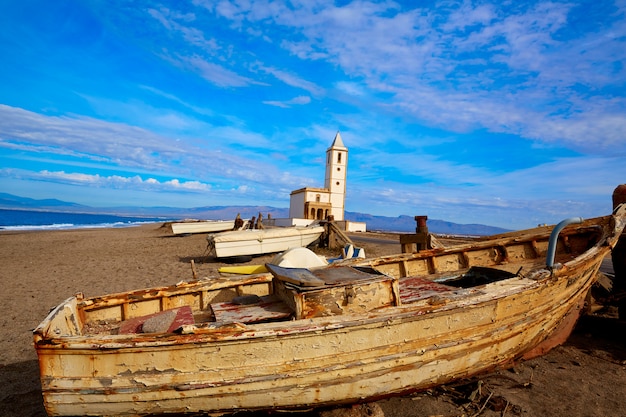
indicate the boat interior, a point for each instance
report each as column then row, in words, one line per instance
column 427, row 277
column 321, row 292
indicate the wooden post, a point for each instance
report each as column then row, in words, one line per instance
column 420, row 240
column 334, row 237
column 618, row 256
column 193, row 270
column 329, row 235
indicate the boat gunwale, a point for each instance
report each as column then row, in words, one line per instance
column 237, row 332
column 479, row 244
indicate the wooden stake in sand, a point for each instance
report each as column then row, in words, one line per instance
column 193, row 270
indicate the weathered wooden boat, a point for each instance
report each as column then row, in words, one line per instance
column 345, row 333
column 202, row 226
column 261, row 241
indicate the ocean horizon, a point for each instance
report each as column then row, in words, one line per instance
column 11, row 219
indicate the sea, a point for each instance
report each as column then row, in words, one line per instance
column 51, row 220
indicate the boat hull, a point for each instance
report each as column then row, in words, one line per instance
column 212, row 226
column 327, row 362
column 257, row 242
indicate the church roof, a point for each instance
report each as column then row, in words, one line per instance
column 338, row 143
column 310, row 189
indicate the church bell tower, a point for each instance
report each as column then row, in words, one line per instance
column 336, row 176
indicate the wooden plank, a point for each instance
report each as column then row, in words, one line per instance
column 162, row 322
column 340, row 233
column 416, row 288
column 269, row 308
column 344, row 275
column 298, row 276
column 341, row 275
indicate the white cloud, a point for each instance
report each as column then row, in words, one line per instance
column 86, row 142
column 196, row 109
column 294, row 81
column 521, row 68
column 113, row 181
column 464, row 66
column 215, row 73
column 171, row 21
column 351, row 88
column 300, row 100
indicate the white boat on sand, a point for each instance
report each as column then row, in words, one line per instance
column 261, row 241
column 202, row 226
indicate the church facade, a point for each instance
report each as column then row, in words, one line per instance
column 319, row 203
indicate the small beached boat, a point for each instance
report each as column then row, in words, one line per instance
column 202, row 226
column 356, row 330
column 261, row 241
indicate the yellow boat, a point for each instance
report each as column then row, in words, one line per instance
column 243, row 269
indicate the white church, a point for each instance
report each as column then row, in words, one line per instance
column 309, row 204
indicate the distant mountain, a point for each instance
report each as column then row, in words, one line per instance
column 10, row 201
column 405, row 224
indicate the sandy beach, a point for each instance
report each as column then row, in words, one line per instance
column 585, row 377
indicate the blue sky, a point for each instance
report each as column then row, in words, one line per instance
column 505, row 113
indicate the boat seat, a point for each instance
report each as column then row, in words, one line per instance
column 267, row 308
column 305, row 278
column 417, row 288
column 166, row 321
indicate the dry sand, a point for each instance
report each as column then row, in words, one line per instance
column 585, row 377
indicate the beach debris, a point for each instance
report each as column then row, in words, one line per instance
column 357, row 410
column 349, row 251
column 238, row 222
column 259, row 222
